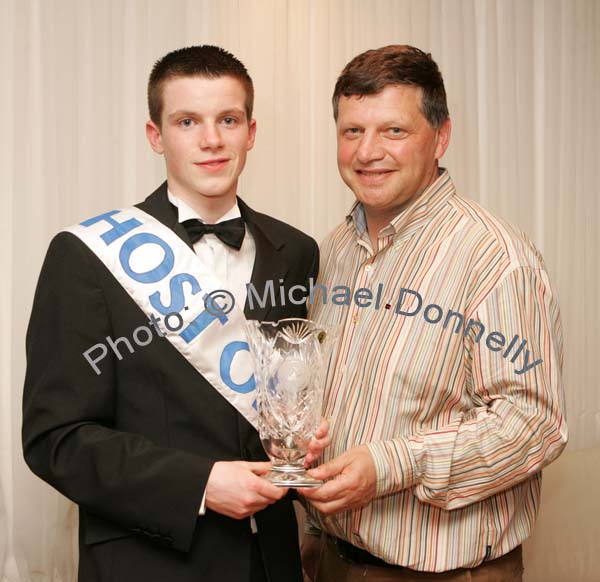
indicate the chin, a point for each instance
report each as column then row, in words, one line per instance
column 213, row 192
column 375, row 199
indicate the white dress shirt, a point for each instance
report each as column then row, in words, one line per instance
column 232, row 268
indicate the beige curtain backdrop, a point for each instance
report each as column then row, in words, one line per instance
column 523, row 80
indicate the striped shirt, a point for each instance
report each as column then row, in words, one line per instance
column 449, row 369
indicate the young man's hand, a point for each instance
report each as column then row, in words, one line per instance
column 236, row 488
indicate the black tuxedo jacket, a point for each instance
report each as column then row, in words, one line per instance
column 134, row 446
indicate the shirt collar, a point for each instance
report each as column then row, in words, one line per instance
column 414, row 216
column 185, row 212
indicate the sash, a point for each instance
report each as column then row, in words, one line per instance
column 171, row 286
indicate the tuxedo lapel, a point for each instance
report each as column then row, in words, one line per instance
column 269, row 263
column 159, row 206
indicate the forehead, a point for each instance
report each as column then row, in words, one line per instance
column 202, row 94
column 400, row 102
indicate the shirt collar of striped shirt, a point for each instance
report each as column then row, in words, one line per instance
column 413, row 217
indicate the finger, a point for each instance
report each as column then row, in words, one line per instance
column 256, row 504
column 259, row 467
column 333, row 504
column 330, row 491
column 330, row 469
column 309, row 460
column 307, row 492
column 317, row 445
column 331, row 507
column 335, row 488
column 252, row 502
column 268, row 490
column 259, row 502
column 322, row 429
column 313, row 454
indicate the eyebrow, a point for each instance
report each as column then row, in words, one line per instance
column 234, row 110
column 386, row 123
column 185, row 113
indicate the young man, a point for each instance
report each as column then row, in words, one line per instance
column 138, row 400
column 445, row 421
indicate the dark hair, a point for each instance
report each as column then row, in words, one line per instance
column 202, row 61
column 372, row 71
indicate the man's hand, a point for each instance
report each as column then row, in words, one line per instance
column 235, row 489
column 318, row 443
column 311, row 553
column 353, row 482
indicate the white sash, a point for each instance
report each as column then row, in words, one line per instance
column 170, row 283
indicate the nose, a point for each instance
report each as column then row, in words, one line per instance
column 210, row 137
column 369, row 149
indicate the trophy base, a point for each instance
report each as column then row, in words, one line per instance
column 295, row 477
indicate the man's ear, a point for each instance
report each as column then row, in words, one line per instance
column 154, row 137
column 443, row 140
column 251, row 134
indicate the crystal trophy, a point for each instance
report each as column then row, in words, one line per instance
column 289, row 358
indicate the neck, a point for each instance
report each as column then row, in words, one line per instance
column 378, row 219
column 208, row 207
column 374, row 226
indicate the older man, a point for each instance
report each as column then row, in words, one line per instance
column 445, row 394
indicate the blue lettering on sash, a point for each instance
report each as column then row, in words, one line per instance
column 177, row 296
column 158, row 273
column 199, row 324
column 118, row 228
column 154, row 275
column 226, row 360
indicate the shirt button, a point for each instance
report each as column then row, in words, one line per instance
column 355, row 318
column 368, row 268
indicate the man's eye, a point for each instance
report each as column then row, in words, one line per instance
column 395, row 131
column 352, row 131
column 186, row 122
column 229, row 120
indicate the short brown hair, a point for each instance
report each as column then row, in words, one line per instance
column 202, row 61
column 374, row 70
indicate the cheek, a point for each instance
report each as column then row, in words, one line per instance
column 175, row 148
column 175, row 159
column 345, row 154
column 400, row 153
column 240, row 160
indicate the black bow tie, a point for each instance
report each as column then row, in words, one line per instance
column 231, row 232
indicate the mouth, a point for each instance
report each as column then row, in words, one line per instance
column 214, row 165
column 373, row 176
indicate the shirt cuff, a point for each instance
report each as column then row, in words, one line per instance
column 397, row 463
column 202, row 510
